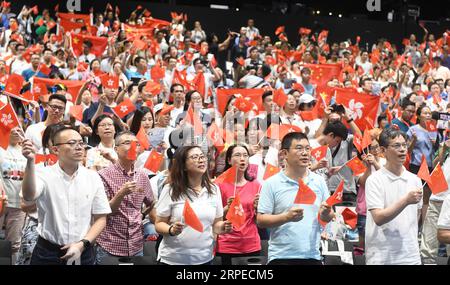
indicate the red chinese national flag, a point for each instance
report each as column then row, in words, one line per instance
column 124, row 108
column 336, row 198
column 279, row 30
column 350, row 217
column 139, row 44
column 321, row 74
column 236, row 214
column 8, row 121
column 367, row 139
column 279, row 97
column 223, row 95
column 99, row 44
column 299, row 87
column 14, row 84
column 357, row 166
column 77, row 112
column 362, row 107
column 143, row 138
column 320, row 152
column 270, row 171
column 438, row 182
column 198, row 83
column 277, row 132
column 304, row 195
column 180, row 78
column 154, row 161
column 424, row 173
column 228, row 176
column 110, row 82
column 45, row 69
column 191, row 219
column 132, row 152
column 152, row 87
column 157, row 72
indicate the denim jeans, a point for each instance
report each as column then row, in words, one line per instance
column 101, row 253
column 45, row 255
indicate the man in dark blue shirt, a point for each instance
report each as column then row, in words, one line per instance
column 404, row 123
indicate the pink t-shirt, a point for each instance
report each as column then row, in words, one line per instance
column 361, row 207
column 245, row 239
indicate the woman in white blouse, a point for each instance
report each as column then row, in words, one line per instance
column 103, row 155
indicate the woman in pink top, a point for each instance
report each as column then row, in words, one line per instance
column 244, row 241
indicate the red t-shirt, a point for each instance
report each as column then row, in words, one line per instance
column 245, row 239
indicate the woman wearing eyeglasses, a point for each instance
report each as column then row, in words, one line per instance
column 189, row 181
column 243, row 241
column 103, row 155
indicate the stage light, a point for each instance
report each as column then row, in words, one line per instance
column 318, row 12
column 340, row 15
column 331, row 14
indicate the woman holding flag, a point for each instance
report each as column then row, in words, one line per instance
column 240, row 199
column 189, row 211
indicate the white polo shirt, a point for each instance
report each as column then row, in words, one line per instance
column 66, row 204
column 190, row 247
column 34, row 133
column 395, row 242
column 444, row 217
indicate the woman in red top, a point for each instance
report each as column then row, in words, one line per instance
column 244, row 241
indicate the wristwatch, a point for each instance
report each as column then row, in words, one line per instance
column 86, row 243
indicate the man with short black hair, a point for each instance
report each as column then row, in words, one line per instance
column 394, row 199
column 87, row 56
column 71, row 201
column 408, row 111
column 294, row 229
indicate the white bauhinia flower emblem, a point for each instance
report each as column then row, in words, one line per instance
column 37, row 89
column 123, row 109
column 318, row 154
column 339, row 195
column 6, row 119
column 238, row 210
column 110, row 83
column 355, row 109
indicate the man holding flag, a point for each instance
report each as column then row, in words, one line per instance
column 295, row 230
column 394, row 199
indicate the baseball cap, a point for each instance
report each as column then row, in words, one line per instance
column 306, row 98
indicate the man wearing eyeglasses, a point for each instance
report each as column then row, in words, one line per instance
column 71, row 201
column 55, row 111
column 126, row 190
column 294, row 229
column 394, row 200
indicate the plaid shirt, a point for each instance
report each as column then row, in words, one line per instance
column 124, row 232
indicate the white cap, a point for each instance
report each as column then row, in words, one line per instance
column 306, row 98
column 157, row 108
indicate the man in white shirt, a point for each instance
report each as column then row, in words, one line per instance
column 394, row 199
column 71, row 201
column 87, row 56
column 55, row 111
column 439, row 71
column 19, row 64
column 178, row 95
column 252, row 31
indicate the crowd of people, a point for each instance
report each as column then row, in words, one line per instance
column 117, row 131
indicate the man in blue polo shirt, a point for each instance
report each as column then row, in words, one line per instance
column 408, row 111
column 295, row 230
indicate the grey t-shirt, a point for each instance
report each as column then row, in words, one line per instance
column 342, row 156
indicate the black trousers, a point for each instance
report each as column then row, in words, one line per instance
column 47, row 253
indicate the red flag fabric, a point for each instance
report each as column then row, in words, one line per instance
column 2, row 202
column 357, row 166
column 438, row 182
column 50, row 159
column 320, row 152
column 270, row 60
column 236, row 214
column 8, row 121
column 198, row 83
column 424, row 173
column 191, row 219
column 223, row 95
column 73, row 86
column 180, row 78
column 132, row 152
column 214, row 136
column 45, row 69
column 270, row 171
column 35, row 9
column 139, row 44
column 99, row 44
column 243, row 104
column 336, row 198
column 143, row 138
column 367, row 139
column 279, row 30
column 72, row 22
column 77, row 112
column 304, row 194
column 157, row 72
column 277, row 132
column 228, row 176
column 241, row 61
column 280, row 98
column 166, row 109
column 431, row 126
column 194, row 120
column 110, row 82
column 304, row 31
column 357, row 142
column 154, row 161
column 299, row 87
column 350, row 217
column 14, row 84
column 124, row 108
column 152, row 87
column 321, row 74
column 362, row 107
